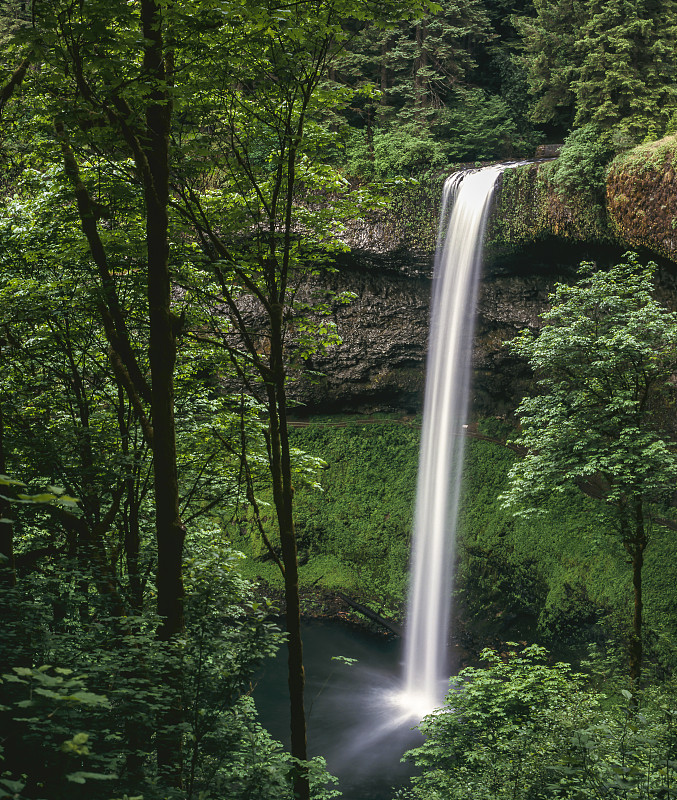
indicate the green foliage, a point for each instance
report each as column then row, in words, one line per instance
column 627, row 77
column 522, row 728
column 474, row 125
column 603, row 361
column 368, row 528
column 550, row 38
column 606, row 63
column 530, row 208
column 564, row 198
column 355, row 531
column 546, row 577
column 405, row 150
column 430, row 93
column 508, row 73
column 560, row 577
column 97, row 715
column 581, row 167
column 44, row 708
column 477, row 126
column 416, row 64
column 647, row 158
column 501, row 729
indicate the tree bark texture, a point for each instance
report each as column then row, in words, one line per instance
column 421, row 64
column 162, row 351
column 169, row 530
column 283, row 493
column 635, row 548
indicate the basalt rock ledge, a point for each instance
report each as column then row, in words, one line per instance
column 535, row 237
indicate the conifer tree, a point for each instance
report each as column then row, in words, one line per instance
column 549, row 41
column 417, row 66
column 610, row 63
column 627, row 70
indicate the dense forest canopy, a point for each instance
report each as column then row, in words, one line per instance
column 170, row 173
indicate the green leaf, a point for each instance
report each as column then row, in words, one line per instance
column 82, row 777
column 5, row 480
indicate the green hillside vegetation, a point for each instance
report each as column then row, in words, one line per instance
column 559, row 578
column 355, row 529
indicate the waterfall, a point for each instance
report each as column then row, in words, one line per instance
column 465, row 203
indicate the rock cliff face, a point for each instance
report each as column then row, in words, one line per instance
column 535, row 238
column 639, row 210
column 642, row 197
column 380, row 364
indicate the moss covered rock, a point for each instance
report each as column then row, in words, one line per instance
column 641, row 197
column 638, row 209
column 529, row 208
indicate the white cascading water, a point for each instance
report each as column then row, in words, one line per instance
column 465, row 204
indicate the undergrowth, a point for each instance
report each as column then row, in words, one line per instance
column 560, row 570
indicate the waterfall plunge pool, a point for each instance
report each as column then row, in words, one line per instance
column 352, row 719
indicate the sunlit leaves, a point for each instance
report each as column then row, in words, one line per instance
column 603, row 362
column 520, row 727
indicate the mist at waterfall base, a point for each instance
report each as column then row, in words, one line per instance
column 350, row 722
column 361, row 716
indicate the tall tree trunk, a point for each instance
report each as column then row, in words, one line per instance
column 283, row 493
column 636, row 648
column 7, row 565
column 162, row 352
column 169, row 530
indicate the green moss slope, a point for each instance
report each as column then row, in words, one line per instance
column 559, row 573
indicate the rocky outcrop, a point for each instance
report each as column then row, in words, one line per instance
column 642, row 197
column 380, row 363
column 384, row 330
column 638, row 210
column 529, row 209
column 536, row 236
column 400, row 234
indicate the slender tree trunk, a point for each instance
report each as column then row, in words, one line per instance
column 283, row 492
column 635, row 548
column 370, row 132
column 421, row 63
column 384, row 72
column 7, row 565
column 162, row 352
column 132, row 547
column 170, row 532
column 636, row 649
column 14, row 82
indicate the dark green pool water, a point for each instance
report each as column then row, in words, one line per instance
column 350, row 721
